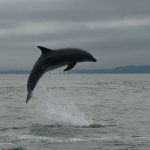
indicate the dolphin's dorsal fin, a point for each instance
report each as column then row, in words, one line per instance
column 44, row 50
column 70, row 66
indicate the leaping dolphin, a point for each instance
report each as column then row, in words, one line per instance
column 52, row 59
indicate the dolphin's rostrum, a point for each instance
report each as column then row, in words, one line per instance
column 52, row 59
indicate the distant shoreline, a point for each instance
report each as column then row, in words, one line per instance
column 132, row 69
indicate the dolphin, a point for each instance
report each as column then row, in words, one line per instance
column 52, row 59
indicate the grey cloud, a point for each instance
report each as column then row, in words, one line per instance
column 105, row 27
column 103, row 39
column 69, row 10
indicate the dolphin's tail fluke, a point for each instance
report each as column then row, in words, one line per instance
column 28, row 97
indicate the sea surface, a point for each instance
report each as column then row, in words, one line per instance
column 76, row 112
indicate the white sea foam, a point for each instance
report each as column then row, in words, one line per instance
column 56, row 110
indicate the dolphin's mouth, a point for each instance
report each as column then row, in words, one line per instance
column 94, row 59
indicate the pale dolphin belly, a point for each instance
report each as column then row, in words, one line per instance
column 55, row 67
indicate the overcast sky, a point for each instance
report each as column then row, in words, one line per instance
column 116, row 32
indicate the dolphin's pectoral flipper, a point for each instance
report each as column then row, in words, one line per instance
column 70, row 66
column 44, row 50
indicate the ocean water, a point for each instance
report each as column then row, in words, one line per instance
column 69, row 112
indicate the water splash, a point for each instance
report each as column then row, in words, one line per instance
column 52, row 110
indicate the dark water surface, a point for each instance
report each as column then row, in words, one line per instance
column 70, row 112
